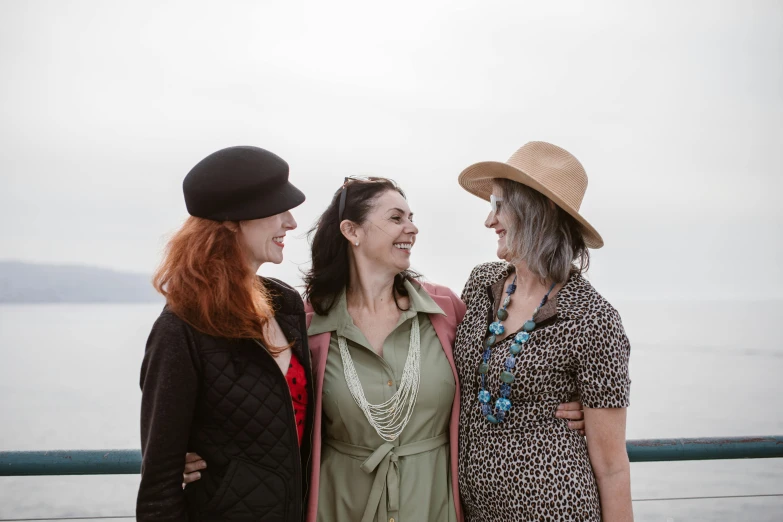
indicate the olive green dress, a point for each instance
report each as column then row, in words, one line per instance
column 363, row 477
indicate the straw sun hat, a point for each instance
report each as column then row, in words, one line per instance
column 544, row 167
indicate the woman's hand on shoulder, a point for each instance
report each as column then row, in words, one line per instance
column 574, row 412
column 193, row 463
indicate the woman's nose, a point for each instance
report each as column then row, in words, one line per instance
column 491, row 220
column 290, row 221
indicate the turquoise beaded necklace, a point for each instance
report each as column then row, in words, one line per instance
column 497, row 414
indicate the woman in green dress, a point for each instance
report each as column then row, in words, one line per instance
column 384, row 374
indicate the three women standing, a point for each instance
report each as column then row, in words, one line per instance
column 394, row 439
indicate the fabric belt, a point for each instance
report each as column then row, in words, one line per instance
column 384, row 460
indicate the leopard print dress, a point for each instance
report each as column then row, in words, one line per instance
column 532, row 467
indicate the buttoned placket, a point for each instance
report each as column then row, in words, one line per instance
column 394, row 347
column 395, row 351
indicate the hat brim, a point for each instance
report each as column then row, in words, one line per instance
column 477, row 179
column 261, row 205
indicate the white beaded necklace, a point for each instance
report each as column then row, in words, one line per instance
column 390, row 417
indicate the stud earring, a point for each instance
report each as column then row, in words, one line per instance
column 357, row 243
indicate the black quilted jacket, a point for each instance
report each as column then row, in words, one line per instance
column 227, row 400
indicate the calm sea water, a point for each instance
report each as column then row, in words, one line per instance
column 69, row 380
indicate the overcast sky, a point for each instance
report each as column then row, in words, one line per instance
column 674, row 108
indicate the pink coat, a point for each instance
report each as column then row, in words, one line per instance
column 446, row 328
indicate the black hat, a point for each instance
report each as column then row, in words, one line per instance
column 240, row 183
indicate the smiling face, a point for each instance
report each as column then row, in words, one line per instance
column 495, row 221
column 387, row 235
column 264, row 238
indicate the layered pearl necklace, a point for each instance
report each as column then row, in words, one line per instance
column 497, row 414
column 390, row 417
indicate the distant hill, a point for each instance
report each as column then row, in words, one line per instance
column 37, row 283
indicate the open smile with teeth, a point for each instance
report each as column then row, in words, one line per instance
column 280, row 240
column 404, row 246
column 501, row 234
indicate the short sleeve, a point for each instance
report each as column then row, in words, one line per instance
column 602, row 362
column 469, row 288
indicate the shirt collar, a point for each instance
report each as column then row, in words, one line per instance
column 559, row 305
column 339, row 320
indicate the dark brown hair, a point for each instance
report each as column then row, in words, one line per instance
column 328, row 275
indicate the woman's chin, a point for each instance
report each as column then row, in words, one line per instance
column 400, row 265
column 275, row 260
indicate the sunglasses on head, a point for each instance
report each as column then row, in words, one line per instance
column 348, row 180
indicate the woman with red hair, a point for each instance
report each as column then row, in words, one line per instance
column 225, row 372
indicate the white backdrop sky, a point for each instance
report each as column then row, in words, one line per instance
column 674, row 108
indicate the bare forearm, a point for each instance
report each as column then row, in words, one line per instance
column 614, row 489
column 606, row 446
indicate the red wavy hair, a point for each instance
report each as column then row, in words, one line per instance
column 207, row 282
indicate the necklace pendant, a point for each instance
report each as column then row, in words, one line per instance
column 503, row 404
column 497, row 328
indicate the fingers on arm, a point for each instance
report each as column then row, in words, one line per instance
column 188, row 478
column 195, row 465
column 572, row 412
column 192, row 457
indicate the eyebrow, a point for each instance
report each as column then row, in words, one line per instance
column 401, row 211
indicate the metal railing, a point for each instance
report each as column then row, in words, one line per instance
column 128, row 462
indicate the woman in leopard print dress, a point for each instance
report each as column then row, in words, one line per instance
column 529, row 466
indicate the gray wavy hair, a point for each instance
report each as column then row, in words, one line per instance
column 541, row 234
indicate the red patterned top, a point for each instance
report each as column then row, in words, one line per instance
column 297, row 382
